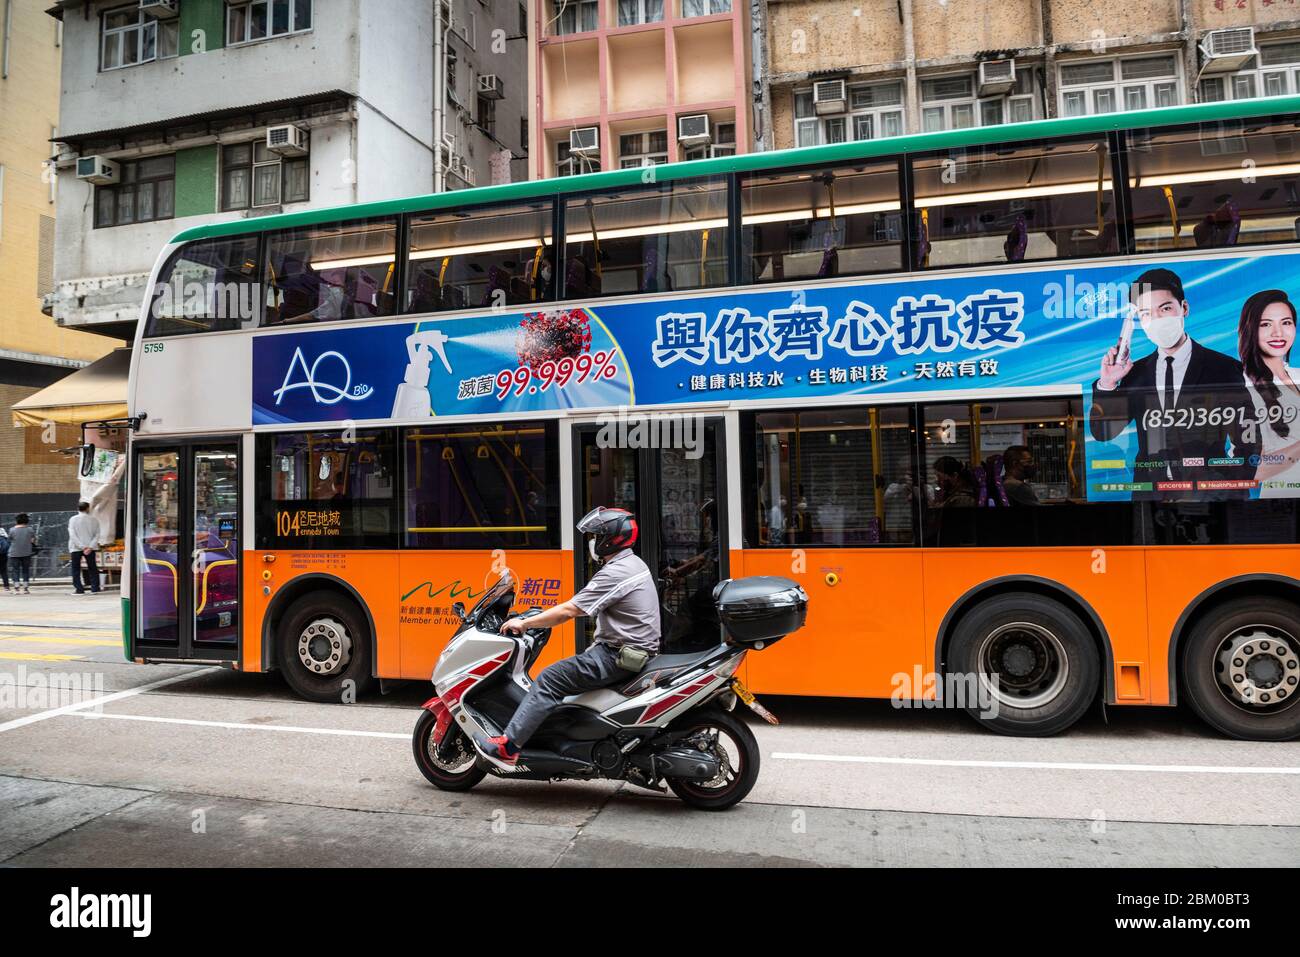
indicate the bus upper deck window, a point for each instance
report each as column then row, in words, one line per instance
column 332, row 271
column 665, row 238
column 822, row 223
column 206, row 286
column 478, row 258
column 1214, row 185
column 1009, row 204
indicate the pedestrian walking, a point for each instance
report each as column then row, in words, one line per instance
column 83, row 541
column 4, row 559
column 22, row 546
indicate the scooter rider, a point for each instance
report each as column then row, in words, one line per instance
column 622, row 597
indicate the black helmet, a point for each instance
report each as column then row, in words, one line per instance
column 611, row 529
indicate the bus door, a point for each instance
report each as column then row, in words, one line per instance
column 187, row 546
column 670, row 474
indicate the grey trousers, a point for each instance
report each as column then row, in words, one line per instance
column 593, row 668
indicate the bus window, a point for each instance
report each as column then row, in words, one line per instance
column 832, row 477
column 1006, row 473
column 327, row 490
column 820, row 224
column 481, row 487
column 472, row 258
column 1215, row 185
column 332, row 271
column 666, row 238
column 1008, row 204
column 206, row 286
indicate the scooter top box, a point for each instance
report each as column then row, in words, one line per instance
column 760, row 608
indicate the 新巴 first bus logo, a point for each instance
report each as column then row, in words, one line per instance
column 327, row 391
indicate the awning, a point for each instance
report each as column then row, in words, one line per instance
column 90, row 394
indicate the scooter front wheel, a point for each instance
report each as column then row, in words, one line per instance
column 453, row 766
column 730, row 740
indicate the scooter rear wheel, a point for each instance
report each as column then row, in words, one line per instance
column 460, row 771
column 737, row 745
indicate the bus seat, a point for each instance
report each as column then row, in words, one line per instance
column 426, row 296
column 830, row 265
column 996, row 493
column 1219, row 228
column 1017, row 240
column 650, row 268
column 498, row 280
column 1106, row 239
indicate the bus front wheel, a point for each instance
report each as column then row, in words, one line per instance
column 1241, row 669
column 323, row 646
column 1029, row 663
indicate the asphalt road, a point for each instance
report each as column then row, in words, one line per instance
column 181, row 765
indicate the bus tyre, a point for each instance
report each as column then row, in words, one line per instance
column 323, row 646
column 1030, row 661
column 1240, row 669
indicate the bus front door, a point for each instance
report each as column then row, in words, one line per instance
column 186, row 551
column 669, row 473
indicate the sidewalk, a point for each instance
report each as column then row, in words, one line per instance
column 53, row 605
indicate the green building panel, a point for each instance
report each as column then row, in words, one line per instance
column 196, row 181
column 208, row 16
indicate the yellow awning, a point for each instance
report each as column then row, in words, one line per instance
column 91, row 394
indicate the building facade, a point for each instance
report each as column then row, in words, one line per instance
column 34, row 476
column 622, row 83
column 482, row 129
column 213, row 110
column 831, row 70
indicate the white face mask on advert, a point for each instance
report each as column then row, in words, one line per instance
column 1165, row 333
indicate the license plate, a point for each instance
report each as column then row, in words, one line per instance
column 747, row 696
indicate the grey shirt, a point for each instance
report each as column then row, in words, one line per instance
column 21, row 540
column 621, row 596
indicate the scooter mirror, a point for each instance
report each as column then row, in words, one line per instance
column 459, row 609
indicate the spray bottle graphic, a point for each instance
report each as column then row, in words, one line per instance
column 412, row 399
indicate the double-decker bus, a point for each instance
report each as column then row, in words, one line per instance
column 1012, row 403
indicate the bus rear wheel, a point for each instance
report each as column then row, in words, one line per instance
column 1030, row 660
column 323, row 645
column 1241, row 669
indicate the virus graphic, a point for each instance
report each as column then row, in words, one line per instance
column 555, row 335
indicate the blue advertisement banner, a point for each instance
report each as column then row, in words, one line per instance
column 1185, row 420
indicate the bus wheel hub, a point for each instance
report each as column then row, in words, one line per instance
column 1259, row 667
column 324, row 647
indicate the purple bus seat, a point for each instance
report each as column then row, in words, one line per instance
column 650, row 271
column 997, row 490
column 1017, row 240
column 497, row 280
column 830, row 263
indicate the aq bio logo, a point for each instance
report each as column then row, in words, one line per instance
column 329, row 378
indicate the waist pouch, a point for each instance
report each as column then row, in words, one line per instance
column 631, row 659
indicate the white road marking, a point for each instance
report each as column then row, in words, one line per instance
column 1035, row 765
column 243, row 726
column 101, row 700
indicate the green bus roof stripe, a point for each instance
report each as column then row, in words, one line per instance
column 772, row 159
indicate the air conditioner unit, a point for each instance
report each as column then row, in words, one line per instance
column 585, row 141
column 287, row 140
column 468, row 174
column 160, row 9
column 97, row 170
column 1228, row 49
column 491, row 86
column 997, row 77
column 694, row 130
column 829, row 96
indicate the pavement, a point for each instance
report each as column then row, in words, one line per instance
column 182, row 765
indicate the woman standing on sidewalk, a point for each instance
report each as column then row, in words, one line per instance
column 22, row 546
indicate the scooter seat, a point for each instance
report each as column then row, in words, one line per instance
column 662, row 668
